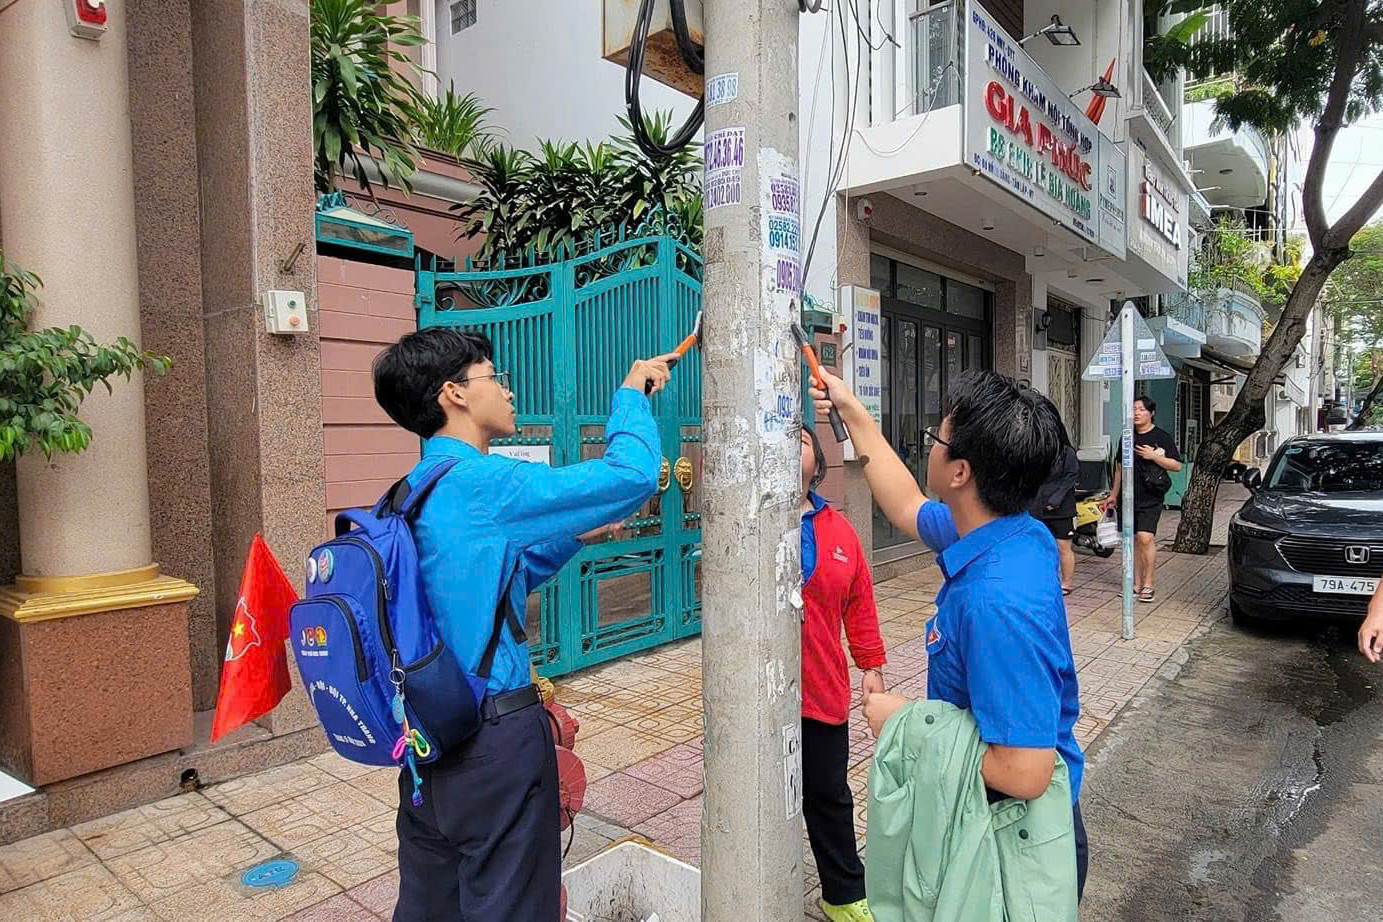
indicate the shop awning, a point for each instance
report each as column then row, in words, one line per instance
column 1217, row 363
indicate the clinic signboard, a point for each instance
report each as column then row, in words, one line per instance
column 1023, row 133
column 862, row 351
column 1157, row 208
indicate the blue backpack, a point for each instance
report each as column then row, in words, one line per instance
column 385, row 688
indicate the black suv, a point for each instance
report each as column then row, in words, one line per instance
column 1309, row 541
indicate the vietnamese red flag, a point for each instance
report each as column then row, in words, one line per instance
column 1095, row 110
column 254, row 676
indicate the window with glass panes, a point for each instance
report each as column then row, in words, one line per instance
column 463, row 14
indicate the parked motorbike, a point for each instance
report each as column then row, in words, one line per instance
column 1088, row 535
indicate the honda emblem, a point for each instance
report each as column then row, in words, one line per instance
column 1357, row 554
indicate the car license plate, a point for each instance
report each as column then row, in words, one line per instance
column 1345, row 585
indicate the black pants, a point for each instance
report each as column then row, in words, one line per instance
column 1082, row 852
column 485, row 844
column 829, row 809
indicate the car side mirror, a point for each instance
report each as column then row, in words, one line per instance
column 1253, row 479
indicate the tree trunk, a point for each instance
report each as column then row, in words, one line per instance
column 1359, row 420
column 1247, row 415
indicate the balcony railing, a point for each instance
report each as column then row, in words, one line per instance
column 1216, row 29
column 936, row 61
column 1186, row 308
column 1234, row 322
column 1156, row 106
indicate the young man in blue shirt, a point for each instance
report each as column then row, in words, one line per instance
column 999, row 644
column 485, row 843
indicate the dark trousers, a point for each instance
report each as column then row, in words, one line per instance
column 485, row 844
column 829, row 809
column 1082, row 852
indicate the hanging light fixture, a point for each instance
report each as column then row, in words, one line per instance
column 1057, row 32
column 1101, row 87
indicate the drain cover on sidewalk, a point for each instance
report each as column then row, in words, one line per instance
column 277, row 873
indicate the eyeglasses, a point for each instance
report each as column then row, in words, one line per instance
column 501, row 378
column 931, row 434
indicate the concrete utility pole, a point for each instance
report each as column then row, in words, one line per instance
column 751, row 825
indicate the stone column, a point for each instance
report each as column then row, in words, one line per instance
column 1094, row 442
column 92, row 636
column 252, row 80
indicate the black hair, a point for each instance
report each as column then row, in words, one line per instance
column 820, row 456
column 409, row 374
column 1148, row 403
column 1009, row 434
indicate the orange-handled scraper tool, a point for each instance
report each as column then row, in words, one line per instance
column 692, row 339
column 833, row 415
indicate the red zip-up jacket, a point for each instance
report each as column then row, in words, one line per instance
column 837, row 593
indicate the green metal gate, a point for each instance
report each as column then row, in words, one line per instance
column 567, row 333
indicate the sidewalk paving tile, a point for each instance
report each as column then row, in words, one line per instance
column 628, row 800
column 122, row 833
column 253, row 792
column 168, row 868
column 378, row 895
column 339, row 908
column 88, row 892
column 226, row 900
column 292, row 823
column 40, row 858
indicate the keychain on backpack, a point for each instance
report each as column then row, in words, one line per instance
column 410, row 743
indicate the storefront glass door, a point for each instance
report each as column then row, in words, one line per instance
column 926, row 346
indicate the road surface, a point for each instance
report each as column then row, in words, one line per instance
column 1245, row 786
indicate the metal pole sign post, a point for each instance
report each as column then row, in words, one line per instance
column 1129, row 352
column 1126, row 454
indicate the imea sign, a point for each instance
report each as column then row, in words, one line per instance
column 1023, row 133
column 1159, row 208
column 1158, row 235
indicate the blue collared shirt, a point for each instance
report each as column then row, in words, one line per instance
column 999, row 645
column 809, row 536
column 491, row 516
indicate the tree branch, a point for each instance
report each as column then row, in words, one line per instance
column 1342, row 231
column 1332, row 120
column 1358, row 422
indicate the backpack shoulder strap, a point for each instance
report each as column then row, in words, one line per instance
column 405, row 499
column 504, row 612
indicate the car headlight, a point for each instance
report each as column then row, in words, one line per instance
column 1254, row 532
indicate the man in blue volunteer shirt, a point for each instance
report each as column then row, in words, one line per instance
column 485, row 843
column 999, row 644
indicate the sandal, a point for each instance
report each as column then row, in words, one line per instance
column 1146, row 594
column 1065, row 590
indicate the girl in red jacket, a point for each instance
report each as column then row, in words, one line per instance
column 836, row 592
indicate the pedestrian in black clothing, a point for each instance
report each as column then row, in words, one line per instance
column 1055, row 506
column 1156, row 460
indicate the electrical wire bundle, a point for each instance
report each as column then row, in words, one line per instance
column 693, row 55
